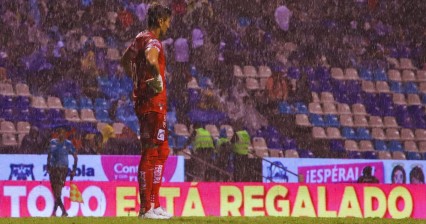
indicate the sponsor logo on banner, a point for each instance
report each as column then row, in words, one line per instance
column 81, row 171
column 277, row 172
column 21, row 172
column 339, row 173
column 125, row 168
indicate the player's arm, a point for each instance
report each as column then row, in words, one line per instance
column 126, row 61
column 156, row 83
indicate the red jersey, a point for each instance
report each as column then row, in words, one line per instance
column 144, row 97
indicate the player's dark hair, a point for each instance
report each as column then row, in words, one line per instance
column 157, row 12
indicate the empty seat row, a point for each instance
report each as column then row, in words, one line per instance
column 21, row 89
column 345, row 120
column 249, row 71
column 366, row 134
column 332, row 108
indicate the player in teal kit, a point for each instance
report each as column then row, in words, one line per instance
column 57, row 166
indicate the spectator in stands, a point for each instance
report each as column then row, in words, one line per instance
column 210, row 100
column 33, row 142
column 417, row 176
column 92, row 144
column 203, row 147
column 180, row 75
column 398, row 175
column 276, row 88
column 367, row 177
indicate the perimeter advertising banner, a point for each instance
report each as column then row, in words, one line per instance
column 320, row 171
column 89, row 168
column 31, row 198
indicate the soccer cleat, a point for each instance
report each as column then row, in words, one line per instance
column 151, row 215
column 161, row 211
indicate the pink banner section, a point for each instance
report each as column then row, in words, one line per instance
column 23, row 199
column 339, row 173
column 125, row 168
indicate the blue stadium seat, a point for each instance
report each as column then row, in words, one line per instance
column 7, row 114
column 300, row 108
column 366, row 74
column 288, row 143
column 70, row 103
column 171, row 141
column 21, row 114
column 369, row 155
column 274, row 143
column 304, row 153
column 102, row 116
column 316, row 120
column 380, row 145
column 348, row 133
column 337, row 146
column 411, row 88
column 37, row 116
column 413, row 156
column 285, row 108
column 380, row 75
column 331, row 120
column 363, row 134
column 180, row 141
column 6, row 102
column 22, row 102
column 396, row 87
column 102, row 104
column 395, row 146
column 354, row 155
column 86, row 103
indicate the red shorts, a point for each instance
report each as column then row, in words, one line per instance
column 153, row 128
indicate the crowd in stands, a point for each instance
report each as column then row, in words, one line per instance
column 228, row 62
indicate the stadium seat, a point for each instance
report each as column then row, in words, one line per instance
column 383, row 155
column 380, row 145
column 375, row 122
column 275, row 153
column 252, row 84
column 368, row 86
column 420, row 134
column 229, row 130
column 398, row 155
column 327, row 97
column 213, row 130
column 390, row 122
column 358, row 109
column 22, row 90
column 291, row 153
column 181, row 130
column 399, row 99
column 285, row 108
column 366, row 145
column 382, row 87
column 413, row 99
column 118, row 127
column 396, row 87
column 274, row 143
column 37, row 115
column 421, row 75
column 369, row 154
column 7, row 102
column 333, row 133
column 72, row 115
column 337, row 73
column 302, row 120
column 102, row 104
column 407, row 134
column 363, row 134
column 366, row 74
column 351, row 74
column 406, row 63
column 87, row 115
column 300, row 108
column 380, row 75
column 264, row 71
column 193, row 84
column 410, row 146
column 238, row 72
column 360, row 121
column 103, row 116
column 395, row 146
column 22, row 102
column 318, row 133
column 315, row 108
column 70, row 103
column 411, row 88
column 408, row 76
column 346, row 120
column 392, row 134
column 86, row 103
column 38, row 102
column 413, row 156
column 351, row 145
column 9, row 140
column 329, row 108
column 315, row 97
column 54, row 103
column 349, row 133
column 337, row 146
column 343, row 108
column 6, row 89
column 305, row 153
column 23, row 127
column 317, row 120
column 331, row 120
column 7, row 127
column 250, row 71
column 394, row 75
column 259, row 143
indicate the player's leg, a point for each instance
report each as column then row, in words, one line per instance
column 53, row 178
column 149, row 157
column 63, row 171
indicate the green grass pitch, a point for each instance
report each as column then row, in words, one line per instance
column 212, row 220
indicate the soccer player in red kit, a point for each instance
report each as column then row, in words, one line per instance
column 145, row 62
